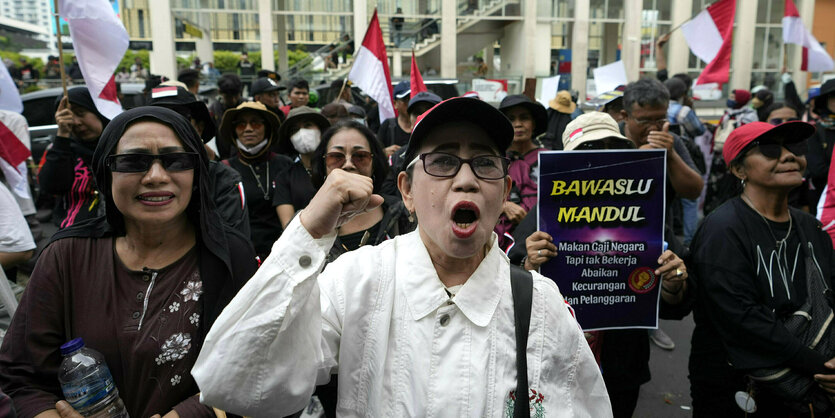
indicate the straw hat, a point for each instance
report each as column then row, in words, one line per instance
column 563, row 103
column 227, row 128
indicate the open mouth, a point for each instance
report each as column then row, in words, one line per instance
column 464, row 219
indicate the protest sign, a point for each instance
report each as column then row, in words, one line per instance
column 605, row 211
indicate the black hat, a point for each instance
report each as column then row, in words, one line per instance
column 297, row 115
column 264, row 85
column 826, row 89
column 269, row 74
column 540, row 117
column 424, row 97
column 180, row 99
column 458, row 109
column 401, row 90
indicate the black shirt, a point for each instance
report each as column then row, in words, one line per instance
column 390, row 133
column 743, row 292
column 294, row 187
column 259, row 192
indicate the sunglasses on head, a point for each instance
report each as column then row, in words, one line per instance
column 774, row 149
column 140, row 163
column 255, row 124
column 358, row 158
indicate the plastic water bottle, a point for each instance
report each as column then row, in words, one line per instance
column 87, row 383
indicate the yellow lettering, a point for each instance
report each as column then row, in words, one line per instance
column 566, row 214
column 559, row 185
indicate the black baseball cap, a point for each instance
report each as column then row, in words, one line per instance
column 265, row 85
column 182, row 101
column 424, row 97
column 458, row 109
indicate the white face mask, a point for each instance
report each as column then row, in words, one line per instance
column 255, row 149
column 306, row 140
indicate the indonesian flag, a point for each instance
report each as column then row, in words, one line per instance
column 13, row 156
column 370, row 71
column 100, row 41
column 710, row 35
column 815, row 57
column 415, row 79
column 9, row 95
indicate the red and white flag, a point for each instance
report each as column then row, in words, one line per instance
column 815, row 57
column 370, row 71
column 415, row 79
column 100, row 41
column 710, row 35
column 13, row 156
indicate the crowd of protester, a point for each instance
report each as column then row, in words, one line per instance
column 243, row 254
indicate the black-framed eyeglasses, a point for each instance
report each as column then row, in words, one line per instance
column 140, row 163
column 774, row 149
column 358, row 158
column 485, row 167
column 605, row 143
column 651, row 122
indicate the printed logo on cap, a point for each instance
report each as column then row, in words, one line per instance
column 577, row 134
column 159, row 92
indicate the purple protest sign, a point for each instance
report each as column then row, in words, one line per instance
column 605, row 210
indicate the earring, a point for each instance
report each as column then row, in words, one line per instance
column 743, row 183
column 411, row 217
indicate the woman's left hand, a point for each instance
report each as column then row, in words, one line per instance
column 827, row 381
column 66, row 411
column 673, row 273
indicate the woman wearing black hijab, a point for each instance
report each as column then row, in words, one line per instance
column 142, row 285
column 66, row 172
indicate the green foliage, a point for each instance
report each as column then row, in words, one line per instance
column 295, row 56
column 183, row 63
column 37, row 63
column 226, row 61
column 131, row 55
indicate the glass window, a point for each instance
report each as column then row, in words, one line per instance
column 561, row 9
column 333, row 6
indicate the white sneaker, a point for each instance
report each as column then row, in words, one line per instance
column 661, row 339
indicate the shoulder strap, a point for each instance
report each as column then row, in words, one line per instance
column 521, row 285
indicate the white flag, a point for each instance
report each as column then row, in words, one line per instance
column 100, row 41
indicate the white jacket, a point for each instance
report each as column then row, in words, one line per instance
column 380, row 318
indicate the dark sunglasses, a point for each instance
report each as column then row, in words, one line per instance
column 358, row 158
column 140, row 163
column 605, row 143
column 255, row 124
column 773, row 150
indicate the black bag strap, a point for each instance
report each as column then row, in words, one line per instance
column 521, row 285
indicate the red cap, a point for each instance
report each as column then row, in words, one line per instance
column 741, row 97
column 745, row 134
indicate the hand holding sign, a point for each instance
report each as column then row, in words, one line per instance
column 343, row 196
column 540, row 248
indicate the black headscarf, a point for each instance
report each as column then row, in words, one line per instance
column 80, row 96
column 201, row 208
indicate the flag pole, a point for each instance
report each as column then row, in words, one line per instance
column 60, row 48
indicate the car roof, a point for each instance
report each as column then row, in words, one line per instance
column 127, row 88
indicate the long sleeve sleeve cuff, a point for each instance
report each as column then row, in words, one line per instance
column 809, row 361
column 191, row 407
